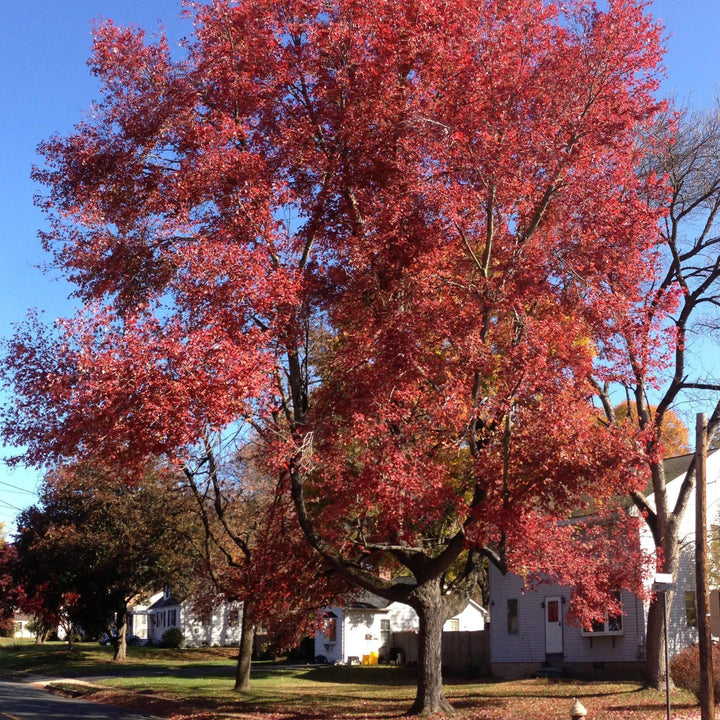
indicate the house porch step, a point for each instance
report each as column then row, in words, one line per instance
column 552, row 667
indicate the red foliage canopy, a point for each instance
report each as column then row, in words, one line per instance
column 10, row 593
column 395, row 238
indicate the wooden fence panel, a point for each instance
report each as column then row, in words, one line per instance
column 463, row 653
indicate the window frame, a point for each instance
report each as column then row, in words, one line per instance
column 513, row 620
column 385, row 631
column 330, row 629
column 233, row 617
column 609, row 624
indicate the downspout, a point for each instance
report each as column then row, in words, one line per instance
column 342, row 637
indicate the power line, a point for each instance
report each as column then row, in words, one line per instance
column 8, row 505
column 17, row 487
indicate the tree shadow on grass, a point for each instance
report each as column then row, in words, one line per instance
column 477, row 703
column 368, row 675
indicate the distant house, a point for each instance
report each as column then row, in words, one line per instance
column 220, row 625
column 528, row 629
column 362, row 629
column 21, row 626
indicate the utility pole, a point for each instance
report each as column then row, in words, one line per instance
column 707, row 703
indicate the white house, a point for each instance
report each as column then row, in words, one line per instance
column 21, row 626
column 219, row 626
column 682, row 622
column 361, row 630
column 528, row 629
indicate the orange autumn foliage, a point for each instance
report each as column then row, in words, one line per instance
column 675, row 434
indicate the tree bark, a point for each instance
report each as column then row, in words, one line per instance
column 655, row 641
column 69, row 634
column 655, row 645
column 247, row 635
column 429, row 604
column 121, row 642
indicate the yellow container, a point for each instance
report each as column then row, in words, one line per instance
column 374, row 657
column 365, row 659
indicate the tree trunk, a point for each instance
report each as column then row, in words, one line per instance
column 430, row 607
column 69, row 629
column 121, row 643
column 655, row 642
column 247, row 636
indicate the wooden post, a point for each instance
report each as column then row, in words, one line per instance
column 667, row 656
column 707, row 703
column 663, row 584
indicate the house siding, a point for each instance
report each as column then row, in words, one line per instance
column 626, row 648
column 225, row 627
column 362, row 633
column 528, row 644
column 526, row 648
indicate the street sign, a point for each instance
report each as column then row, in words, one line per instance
column 663, row 582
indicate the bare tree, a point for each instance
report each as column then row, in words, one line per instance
column 253, row 549
column 686, row 149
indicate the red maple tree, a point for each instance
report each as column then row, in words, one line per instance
column 395, row 240
column 10, row 593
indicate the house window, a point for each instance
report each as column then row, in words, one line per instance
column 690, row 609
column 172, row 618
column 330, row 627
column 512, row 616
column 454, row 625
column 611, row 624
column 233, row 617
column 384, row 631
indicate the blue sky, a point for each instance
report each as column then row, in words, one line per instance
column 45, row 86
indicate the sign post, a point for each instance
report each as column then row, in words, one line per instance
column 663, row 583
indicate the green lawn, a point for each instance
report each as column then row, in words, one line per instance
column 198, row 684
